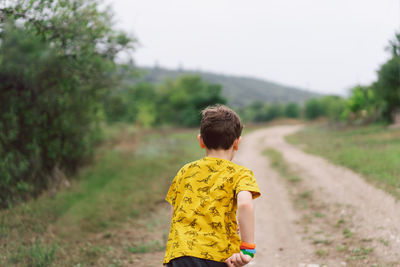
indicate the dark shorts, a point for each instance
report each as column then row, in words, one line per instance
column 194, row 262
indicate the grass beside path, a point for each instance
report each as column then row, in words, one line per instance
column 373, row 151
column 101, row 220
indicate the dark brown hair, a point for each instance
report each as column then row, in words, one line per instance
column 219, row 127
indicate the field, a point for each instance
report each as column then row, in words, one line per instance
column 113, row 212
column 372, row 151
column 110, row 212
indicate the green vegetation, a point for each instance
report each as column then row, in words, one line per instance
column 174, row 102
column 321, row 253
column 384, row 242
column 313, row 109
column 379, row 101
column 129, row 178
column 36, row 255
column 292, row 110
column 329, row 106
column 53, row 74
column 143, row 248
column 264, row 112
column 347, row 233
column 323, row 241
column 387, row 87
column 363, row 106
column 342, row 248
column 60, row 82
column 359, row 253
column 372, row 151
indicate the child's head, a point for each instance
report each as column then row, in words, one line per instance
column 220, row 127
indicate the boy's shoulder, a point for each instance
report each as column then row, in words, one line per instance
column 215, row 165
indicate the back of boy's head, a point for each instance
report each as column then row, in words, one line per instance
column 219, row 127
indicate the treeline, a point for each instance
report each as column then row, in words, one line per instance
column 328, row 106
column 263, row 112
column 379, row 101
column 172, row 102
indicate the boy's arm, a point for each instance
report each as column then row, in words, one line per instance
column 246, row 227
column 246, row 216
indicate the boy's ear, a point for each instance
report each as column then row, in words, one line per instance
column 236, row 143
column 201, row 142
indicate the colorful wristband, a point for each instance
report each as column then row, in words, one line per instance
column 250, row 250
column 245, row 252
column 244, row 247
column 247, row 245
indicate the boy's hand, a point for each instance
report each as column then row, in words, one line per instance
column 238, row 260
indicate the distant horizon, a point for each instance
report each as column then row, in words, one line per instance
column 236, row 76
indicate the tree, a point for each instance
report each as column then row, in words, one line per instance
column 313, row 109
column 388, row 85
column 257, row 110
column 56, row 62
column 140, row 104
column 333, row 107
column 181, row 101
column 273, row 111
column 363, row 104
column 292, row 110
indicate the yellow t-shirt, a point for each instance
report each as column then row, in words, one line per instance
column 203, row 195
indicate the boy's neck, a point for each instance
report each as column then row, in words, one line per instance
column 220, row 153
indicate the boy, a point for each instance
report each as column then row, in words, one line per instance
column 205, row 195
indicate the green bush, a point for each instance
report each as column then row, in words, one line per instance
column 173, row 102
column 273, row 111
column 180, row 101
column 388, row 86
column 363, row 105
column 55, row 65
column 261, row 112
column 313, row 109
column 292, row 110
column 333, row 106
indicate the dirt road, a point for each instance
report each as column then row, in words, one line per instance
column 344, row 222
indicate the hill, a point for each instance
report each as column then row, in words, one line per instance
column 240, row 91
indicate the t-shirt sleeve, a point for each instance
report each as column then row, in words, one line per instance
column 173, row 189
column 171, row 195
column 247, row 182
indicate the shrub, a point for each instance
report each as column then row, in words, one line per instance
column 313, row 109
column 292, row 110
column 56, row 61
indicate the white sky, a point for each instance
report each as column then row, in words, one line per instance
column 324, row 45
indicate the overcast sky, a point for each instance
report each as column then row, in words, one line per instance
column 324, row 45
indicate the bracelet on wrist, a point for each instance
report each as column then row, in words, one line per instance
column 246, row 245
column 250, row 250
column 246, row 252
